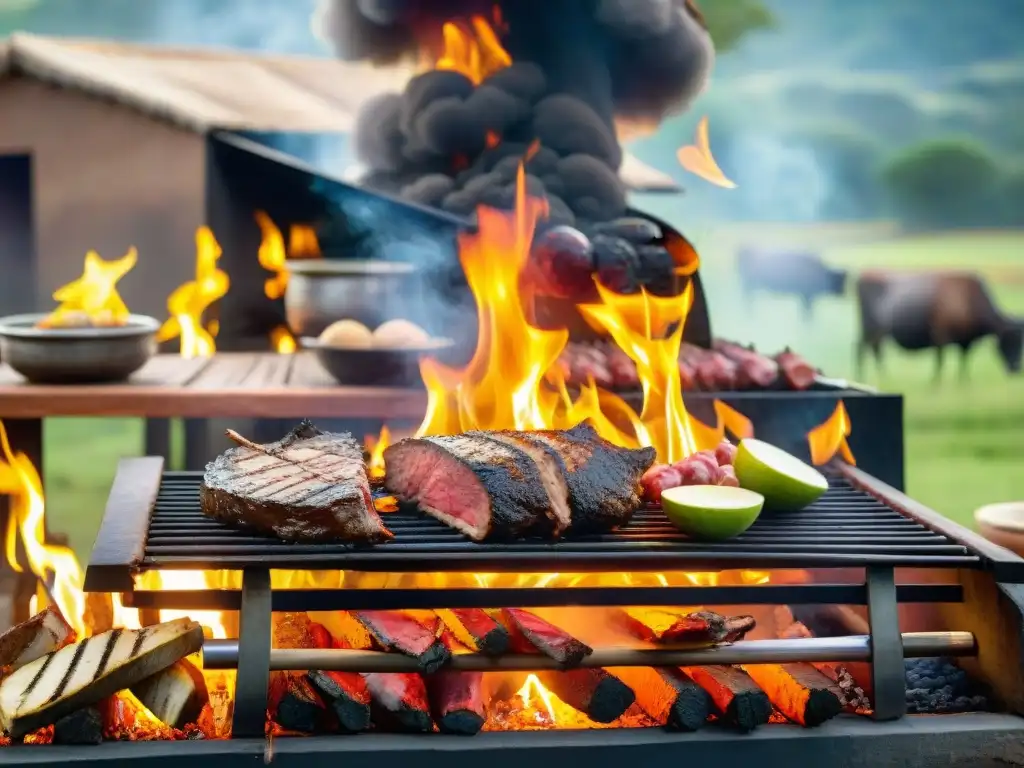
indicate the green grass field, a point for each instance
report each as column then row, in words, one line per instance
column 965, row 441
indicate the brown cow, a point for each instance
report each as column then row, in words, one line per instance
column 931, row 310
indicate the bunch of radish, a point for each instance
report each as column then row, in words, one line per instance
column 701, row 468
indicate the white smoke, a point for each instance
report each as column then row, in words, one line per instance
column 779, row 179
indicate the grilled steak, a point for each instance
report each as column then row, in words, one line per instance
column 482, row 487
column 508, row 484
column 310, row 486
column 602, row 478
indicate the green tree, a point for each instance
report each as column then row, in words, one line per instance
column 731, row 20
column 944, row 183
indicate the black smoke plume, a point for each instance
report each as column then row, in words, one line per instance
column 641, row 59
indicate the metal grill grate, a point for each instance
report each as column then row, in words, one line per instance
column 846, row 527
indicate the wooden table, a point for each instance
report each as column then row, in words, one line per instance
column 261, row 385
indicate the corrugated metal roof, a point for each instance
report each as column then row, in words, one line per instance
column 206, row 89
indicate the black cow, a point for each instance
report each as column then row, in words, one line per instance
column 931, row 310
column 791, row 273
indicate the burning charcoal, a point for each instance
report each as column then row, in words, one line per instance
column 474, row 627
column 348, row 695
column 798, row 373
column 657, row 269
column 617, row 263
column 634, row 229
column 79, row 728
column 562, row 263
column 399, row 701
column 397, row 631
column 457, row 698
column 523, row 79
column 852, row 695
column 430, row 189
column 660, row 625
column 597, row 693
column 175, row 696
column 798, row 691
column 529, row 633
column 668, row 696
column 738, row 700
column 570, row 126
column 44, row 633
column 299, row 707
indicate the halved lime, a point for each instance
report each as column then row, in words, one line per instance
column 714, row 512
column 785, row 482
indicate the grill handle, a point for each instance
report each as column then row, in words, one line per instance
column 223, row 654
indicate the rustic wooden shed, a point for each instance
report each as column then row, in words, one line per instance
column 105, row 145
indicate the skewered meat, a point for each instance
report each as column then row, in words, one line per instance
column 798, row 373
column 310, row 486
column 754, row 371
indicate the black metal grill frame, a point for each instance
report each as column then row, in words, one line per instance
column 153, row 521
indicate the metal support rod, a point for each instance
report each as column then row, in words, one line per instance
column 224, row 654
column 887, row 646
column 253, row 657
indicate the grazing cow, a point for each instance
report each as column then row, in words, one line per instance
column 792, row 273
column 931, row 310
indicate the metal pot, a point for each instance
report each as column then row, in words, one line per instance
column 76, row 355
column 321, row 291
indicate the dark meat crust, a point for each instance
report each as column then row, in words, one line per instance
column 517, row 497
column 604, row 480
column 332, row 510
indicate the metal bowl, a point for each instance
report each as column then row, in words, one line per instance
column 376, row 367
column 76, row 355
column 321, row 291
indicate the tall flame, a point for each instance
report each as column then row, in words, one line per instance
column 273, row 257
column 512, row 381
column 473, row 49
column 828, row 439
column 56, row 567
column 189, row 301
column 93, row 297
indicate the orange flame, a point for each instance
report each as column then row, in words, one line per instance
column 303, row 242
column 376, row 447
column 828, row 439
column 189, row 301
column 473, row 50
column 698, row 160
column 93, row 299
column 272, row 257
column 535, row 695
column 512, row 381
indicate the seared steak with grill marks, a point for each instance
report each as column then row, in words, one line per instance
column 508, row 484
column 484, row 488
column 603, row 479
column 310, row 486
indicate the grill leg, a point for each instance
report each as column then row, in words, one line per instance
column 887, row 670
column 253, row 677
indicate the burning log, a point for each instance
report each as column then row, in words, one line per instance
column 476, row 629
column 175, row 696
column 399, row 700
column 76, row 676
column 397, row 631
column 348, row 696
column 661, row 625
column 529, row 633
column 84, row 726
column 738, row 700
column 34, row 638
column 595, row 692
column 838, row 621
column 669, row 696
column 799, row 691
column 457, row 698
column 296, row 706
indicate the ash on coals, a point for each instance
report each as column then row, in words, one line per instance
column 658, row 53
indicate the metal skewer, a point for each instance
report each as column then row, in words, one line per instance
column 223, row 654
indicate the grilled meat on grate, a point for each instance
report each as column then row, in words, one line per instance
column 309, row 486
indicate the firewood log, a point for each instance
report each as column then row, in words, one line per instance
column 529, row 633
column 84, row 726
column 798, row 691
column 396, row 631
column 476, row 629
column 44, row 633
column 176, row 696
column 738, row 700
column 457, row 698
column 668, row 696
